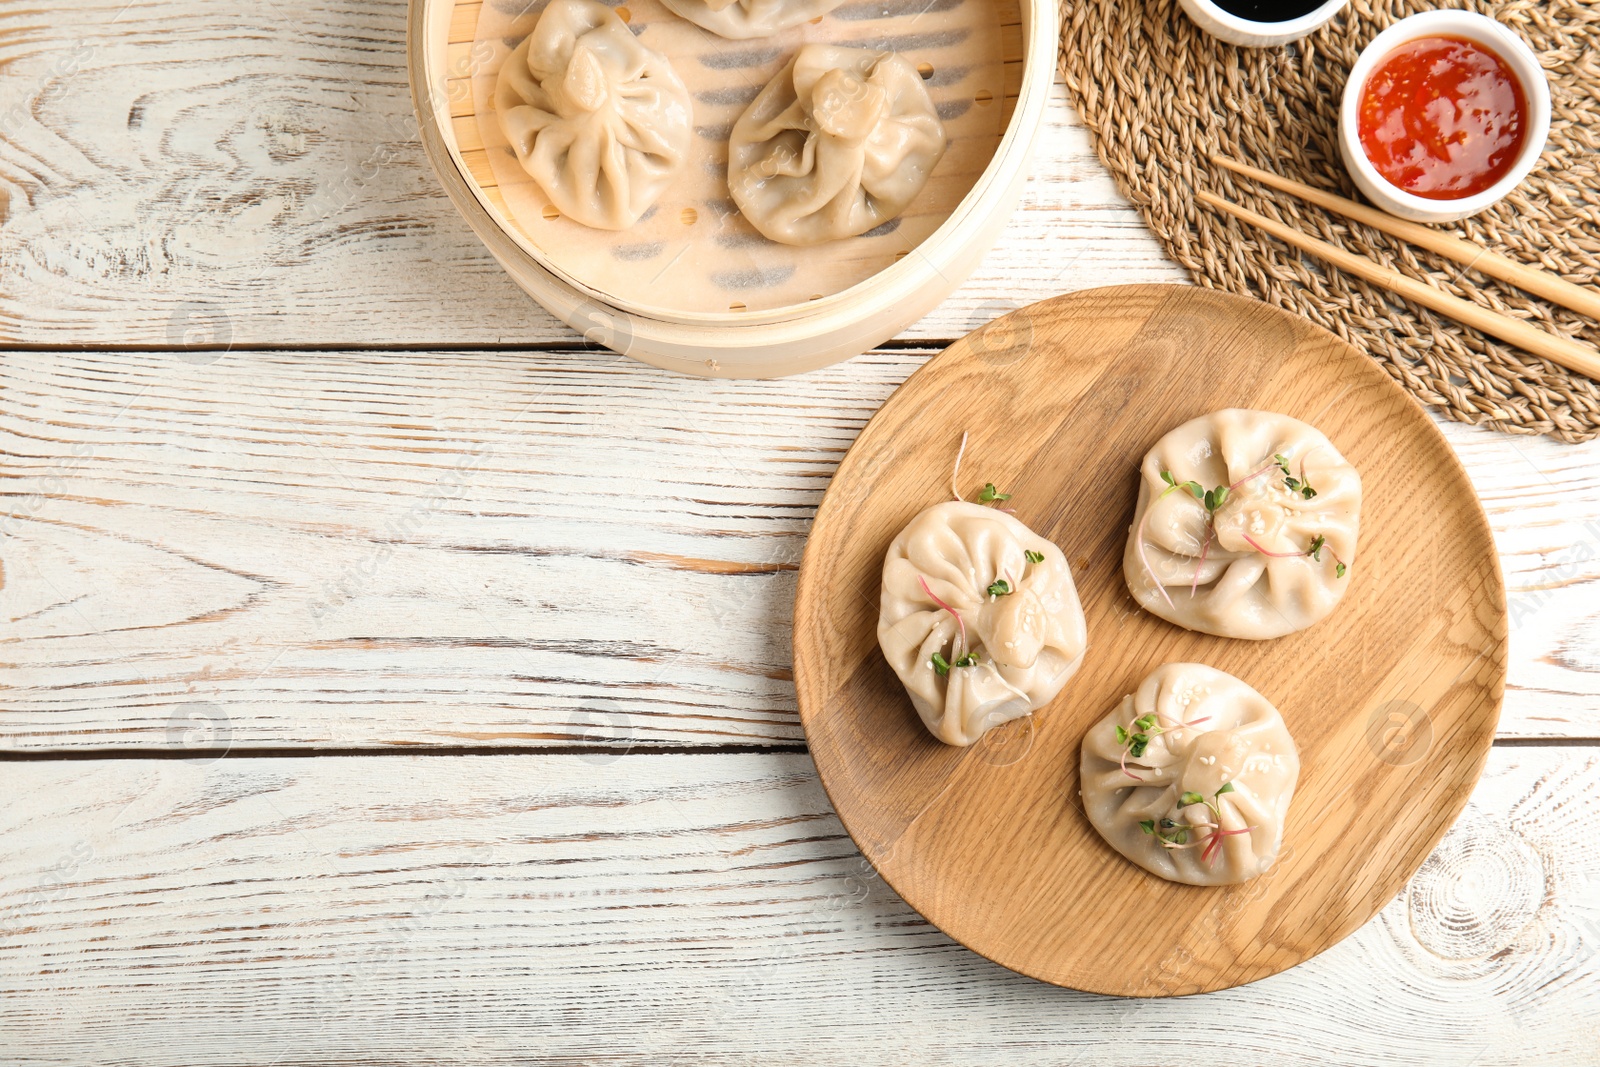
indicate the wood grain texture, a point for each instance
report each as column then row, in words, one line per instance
column 688, row 910
column 347, row 549
column 1392, row 701
column 192, row 174
column 205, row 178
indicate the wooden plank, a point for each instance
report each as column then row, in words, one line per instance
column 682, row 909
column 159, row 166
column 1543, row 501
column 465, row 548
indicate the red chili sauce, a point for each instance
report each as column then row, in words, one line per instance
column 1442, row 117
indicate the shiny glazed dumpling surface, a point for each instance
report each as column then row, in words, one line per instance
column 601, row 122
column 1246, row 525
column 979, row 617
column 841, row 141
column 1191, row 776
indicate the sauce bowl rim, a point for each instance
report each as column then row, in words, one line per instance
column 1482, row 30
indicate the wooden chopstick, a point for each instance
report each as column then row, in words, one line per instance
column 1569, row 353
column 1529, row 279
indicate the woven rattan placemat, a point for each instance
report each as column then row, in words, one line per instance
column 1161, row 96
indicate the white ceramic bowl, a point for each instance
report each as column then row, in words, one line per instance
column 1231, row 28
column 1477, row 28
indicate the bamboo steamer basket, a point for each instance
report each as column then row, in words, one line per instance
column 989, row 64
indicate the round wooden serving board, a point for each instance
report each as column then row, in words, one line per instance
column 1392, row 699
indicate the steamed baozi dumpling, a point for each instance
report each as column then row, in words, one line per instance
column 841, row 141
column 750, row 18
column 979, row 617
column 1191, row 776
column 1246, row 525
column 597, row 119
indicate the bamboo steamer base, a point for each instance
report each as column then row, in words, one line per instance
column 693, row 287
column 1392, row 700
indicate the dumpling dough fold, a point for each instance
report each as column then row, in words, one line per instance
column 1216, row 756
column 841, row 141
column 1026, row 643
column 601, row 122
column 742, row 19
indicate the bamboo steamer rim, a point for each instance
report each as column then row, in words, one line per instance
column 428, row 29
column 854, row 318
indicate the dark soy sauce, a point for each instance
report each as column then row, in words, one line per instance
column 1269, row 10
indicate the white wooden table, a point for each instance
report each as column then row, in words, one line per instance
column 388, row 680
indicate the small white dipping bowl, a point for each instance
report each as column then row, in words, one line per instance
column 1479, row 29
column 1225, row 26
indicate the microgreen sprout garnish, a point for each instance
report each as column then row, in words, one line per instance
column 1134, row 739
column 1210, row 499
column 943, row 666
column 990, row 495
column 1259, row 547
column 1173, row 483
column 1000, row 587
column 1032, row 557
column 959, row 620
column 956, row 470
column 1214, row 842
column 1318, row 543
column 1295, row 485
column 1169, row 833
column 1212, row 805
column 1252, row 477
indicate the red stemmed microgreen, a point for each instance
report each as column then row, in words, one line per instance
column 1175, row 835
column 1252, row 477
column 1177, row 724
column 1033, row 557
column 935, row 598
column 1134, row 739
column 1172, row 485
column 1214, row 842
column 1211, row 500
column 967, row 659
column 1318, row 543
column 1259, row 547
column 1213, row 805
